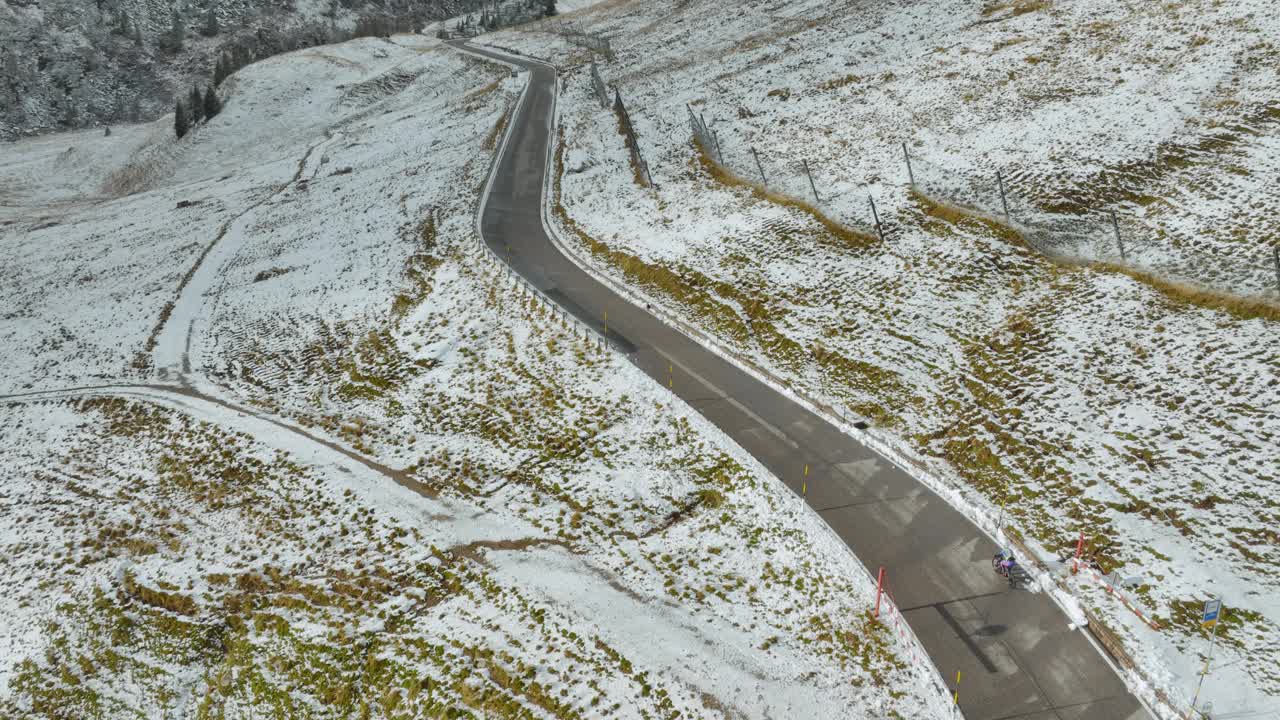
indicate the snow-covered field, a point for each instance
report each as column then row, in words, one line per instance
column 279, row 441
column 1080, row 398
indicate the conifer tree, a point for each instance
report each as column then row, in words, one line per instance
column 174, row 40
column 195, row 101
column 212, row 105
column 180, row 123
column 211, row 26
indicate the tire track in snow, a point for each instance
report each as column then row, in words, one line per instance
column 170, row 339
column 190, row 400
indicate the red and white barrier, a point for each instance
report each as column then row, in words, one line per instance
column 1078, row 565
column 890, row 616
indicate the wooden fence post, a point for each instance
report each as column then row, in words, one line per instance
column 879, row 590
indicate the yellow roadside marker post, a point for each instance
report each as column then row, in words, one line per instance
column 955, row 697
column 804, row 484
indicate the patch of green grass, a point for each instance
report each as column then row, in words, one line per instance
column 419, row 267
column 491, row 140
column 710, row 498
column 1233, row 623
column 1015, row 7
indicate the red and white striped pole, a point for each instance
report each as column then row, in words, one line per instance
column 1079, row 551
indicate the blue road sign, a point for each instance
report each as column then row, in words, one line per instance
column 1211, row 611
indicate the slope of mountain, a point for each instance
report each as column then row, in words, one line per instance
column 279, row 441
column 68, row 64
column 1058, row 384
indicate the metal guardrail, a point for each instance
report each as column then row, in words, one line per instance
column 598, row 86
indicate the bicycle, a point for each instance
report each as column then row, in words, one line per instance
column 1000, row 568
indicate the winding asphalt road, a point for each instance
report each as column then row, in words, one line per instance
column 1015, row 652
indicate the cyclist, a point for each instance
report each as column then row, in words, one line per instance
column 1003, row 562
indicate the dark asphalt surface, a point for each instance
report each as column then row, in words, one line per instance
column 1017, row 657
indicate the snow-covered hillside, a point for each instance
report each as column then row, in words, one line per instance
column 278, row 440
column 1108, row 399
column 71, row 64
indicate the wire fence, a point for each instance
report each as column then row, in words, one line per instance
column 1091, row 234
column 1095, row 234
column 598, row 86
column 630, row 137
column 577, row 36
column 633, row 142
column 783, row 177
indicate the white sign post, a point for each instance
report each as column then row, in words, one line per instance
column 1212, row 611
